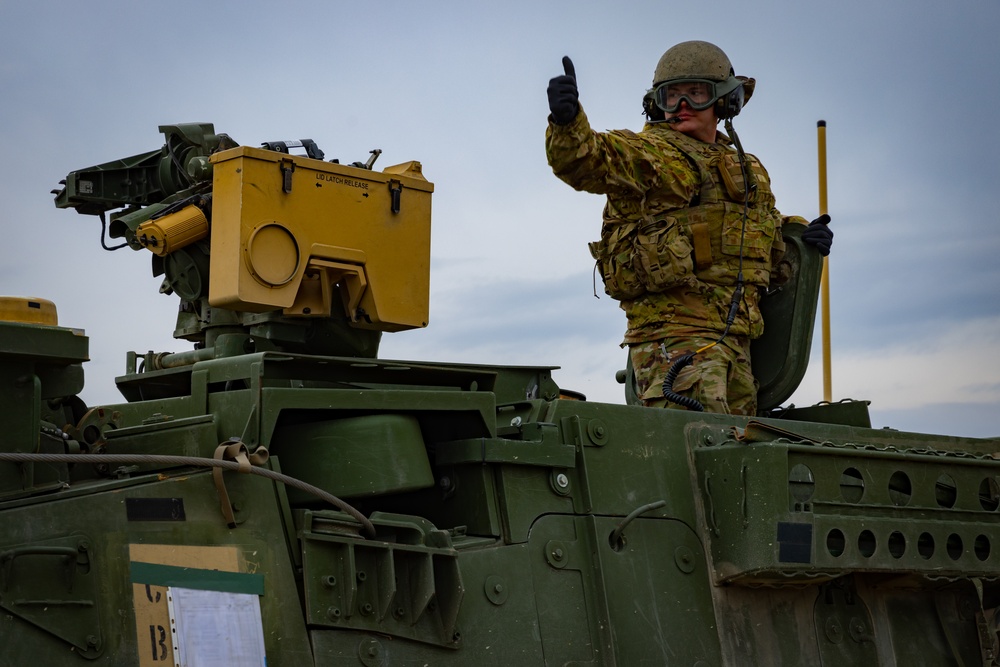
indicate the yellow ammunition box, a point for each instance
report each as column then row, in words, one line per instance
column 303, row 235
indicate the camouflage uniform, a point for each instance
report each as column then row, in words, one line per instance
column 719, row 377
column 670, row 247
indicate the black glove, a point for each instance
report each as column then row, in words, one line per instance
column 820, row 236
column 564, row 97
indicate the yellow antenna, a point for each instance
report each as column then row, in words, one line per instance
column 824, row 284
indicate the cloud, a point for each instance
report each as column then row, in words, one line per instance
column 932, row 381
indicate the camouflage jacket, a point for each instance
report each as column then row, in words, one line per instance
column 675, row 229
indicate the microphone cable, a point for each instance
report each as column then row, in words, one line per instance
column 734, row 304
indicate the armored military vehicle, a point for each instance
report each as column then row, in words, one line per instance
column 278, row 494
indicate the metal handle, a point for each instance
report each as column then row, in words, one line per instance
column 7, row 560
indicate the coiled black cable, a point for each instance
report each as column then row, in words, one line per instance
column 668, row 385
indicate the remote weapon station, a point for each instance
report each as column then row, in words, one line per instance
column 278, row 494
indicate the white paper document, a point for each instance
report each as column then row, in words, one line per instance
column 211, row 628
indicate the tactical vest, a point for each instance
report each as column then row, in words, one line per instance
column 658, row 252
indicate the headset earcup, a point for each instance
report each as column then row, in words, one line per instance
column 649, row 107
column 735, row 102
column 729, row 105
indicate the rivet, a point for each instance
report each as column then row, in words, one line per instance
column 834, row 633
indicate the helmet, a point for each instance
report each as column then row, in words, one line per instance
column 700, row 74
column 693, row 60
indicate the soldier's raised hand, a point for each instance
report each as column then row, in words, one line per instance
column 564, row 96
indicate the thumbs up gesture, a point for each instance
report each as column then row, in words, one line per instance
column 564, row 96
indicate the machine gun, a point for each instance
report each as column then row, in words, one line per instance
column 268, row 250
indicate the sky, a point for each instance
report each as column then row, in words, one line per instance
column 907, row 87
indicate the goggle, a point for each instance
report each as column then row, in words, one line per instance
column 698, row 93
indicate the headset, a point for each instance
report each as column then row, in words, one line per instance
column 730, row 104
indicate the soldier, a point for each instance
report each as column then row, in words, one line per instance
column 686, row 245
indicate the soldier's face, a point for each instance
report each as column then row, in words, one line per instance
column 697, row 124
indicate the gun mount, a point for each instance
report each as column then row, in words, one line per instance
column 268, row 250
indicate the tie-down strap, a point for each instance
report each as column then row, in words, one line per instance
column 234, row 450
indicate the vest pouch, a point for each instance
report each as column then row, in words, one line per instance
column 732, row 177
column 756, row 238
column 664, row 254
column 615, row 256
